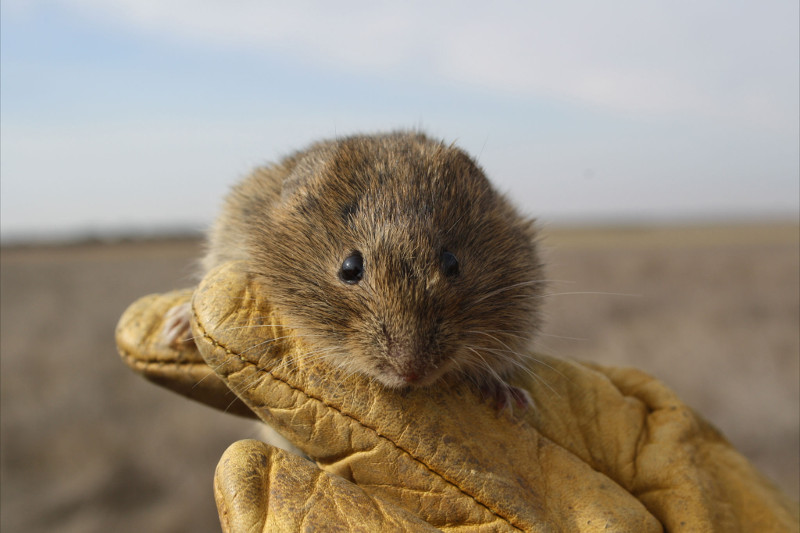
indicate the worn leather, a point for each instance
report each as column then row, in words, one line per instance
column 602, row 449
column 178, row 368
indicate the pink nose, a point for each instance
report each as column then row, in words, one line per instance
column 411, row 377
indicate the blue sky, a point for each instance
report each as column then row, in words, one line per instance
column 139, row 114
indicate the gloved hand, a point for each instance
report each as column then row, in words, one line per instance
column 601, row 449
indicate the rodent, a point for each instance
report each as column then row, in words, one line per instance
column 394, row 255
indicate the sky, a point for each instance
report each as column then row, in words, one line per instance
column 138, row 115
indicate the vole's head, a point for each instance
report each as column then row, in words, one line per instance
column 393, row 256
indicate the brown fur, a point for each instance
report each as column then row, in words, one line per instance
column 399, row 199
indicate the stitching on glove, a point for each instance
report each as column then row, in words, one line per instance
column 230, row 352
column 140, row 363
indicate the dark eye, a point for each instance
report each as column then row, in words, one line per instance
column 352, row 269
column 449, row 264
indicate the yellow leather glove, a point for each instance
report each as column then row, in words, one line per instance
column 602, row 448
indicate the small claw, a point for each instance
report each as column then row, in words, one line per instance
column 505, row 396
column 177, row 325
column 521, row 397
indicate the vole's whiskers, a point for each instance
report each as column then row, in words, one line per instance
column 266, row 343
column 516, row 362
column 263, row 372
column 485, row 364
column 459, row 368
column 517, row 334
column 506, row 346
column 587, row 293
column 508, row 288
column 562, row 337
column 313, row 355
column 516, row 358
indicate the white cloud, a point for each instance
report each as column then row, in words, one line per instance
column 713, row 59
column 698, row 108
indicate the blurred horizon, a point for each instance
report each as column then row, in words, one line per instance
column 134, row 117
column 754, row 229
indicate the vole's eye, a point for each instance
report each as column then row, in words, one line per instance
column 449, row 264
column 352, row 269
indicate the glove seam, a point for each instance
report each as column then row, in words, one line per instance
column 241, row 358
column 141, row 363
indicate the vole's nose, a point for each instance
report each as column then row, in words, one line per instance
column 410, row 377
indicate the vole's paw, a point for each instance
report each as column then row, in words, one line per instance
column 505, row 396
column 177, row 327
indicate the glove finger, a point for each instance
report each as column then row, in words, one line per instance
column 179, row 368
column 262, row 488
column 440, row 452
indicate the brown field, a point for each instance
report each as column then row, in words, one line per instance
column 86, row 445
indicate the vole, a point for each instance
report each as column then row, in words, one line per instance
column 393, row 255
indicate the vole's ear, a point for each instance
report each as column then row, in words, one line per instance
column 306, row 168
column 292, row 185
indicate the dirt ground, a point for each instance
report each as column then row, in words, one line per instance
column 87, row 445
